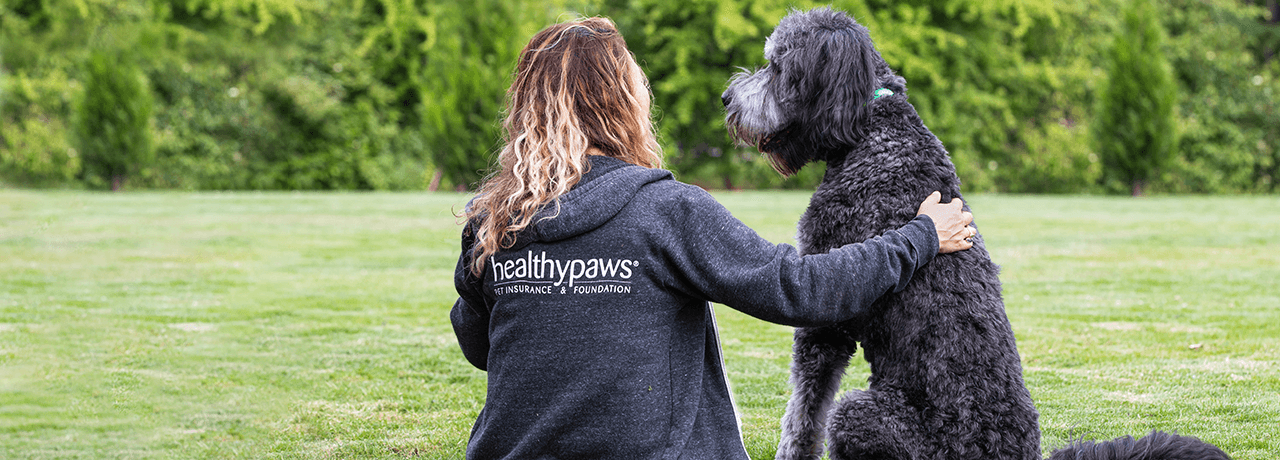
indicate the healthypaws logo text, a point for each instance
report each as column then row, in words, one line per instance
column 540, row 274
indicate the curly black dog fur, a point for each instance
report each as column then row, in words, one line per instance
column 1155, row 446
column 946, row 379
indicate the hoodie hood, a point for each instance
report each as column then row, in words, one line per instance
column 598, row 197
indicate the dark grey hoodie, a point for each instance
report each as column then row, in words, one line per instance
column 596, row 331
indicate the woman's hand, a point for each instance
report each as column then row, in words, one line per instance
column 951, row 222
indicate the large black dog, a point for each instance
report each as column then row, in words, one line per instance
column 946, row 379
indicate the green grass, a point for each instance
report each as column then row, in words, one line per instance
column 251, row 325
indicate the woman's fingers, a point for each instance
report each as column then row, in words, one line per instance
column 952, row 223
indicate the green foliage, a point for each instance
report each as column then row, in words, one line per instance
column 1134, row 129
column 1051, row 154
column 1228, row 113
column 391, row 94
column 112, row 124
column 34, row 147
column 470, row 50
column 291, row 107
column 38, row 90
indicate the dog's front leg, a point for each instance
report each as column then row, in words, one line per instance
column 820, row 357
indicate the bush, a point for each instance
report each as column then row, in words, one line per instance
column 297, row 107
column 34, row 147
column 112, row 123
column 1228, row 112
column 1055, row 159
column 1134, row 129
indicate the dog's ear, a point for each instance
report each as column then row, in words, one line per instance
column 837, row 85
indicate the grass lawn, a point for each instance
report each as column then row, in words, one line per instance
column 314, row 325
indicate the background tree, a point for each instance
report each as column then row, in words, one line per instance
column 41, row 49
column 112, row 126
column 1134, row 129
column 470, row 51
column 1228, row 115
column 389, row 94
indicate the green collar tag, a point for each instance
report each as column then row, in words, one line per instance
column 881, row 93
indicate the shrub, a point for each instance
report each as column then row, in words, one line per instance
column 112, row 122
column 1134, row 129
column 34, row 150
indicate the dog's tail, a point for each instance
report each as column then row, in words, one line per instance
column 1155, row 446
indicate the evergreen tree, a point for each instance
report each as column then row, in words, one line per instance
column 112, row 124
column 1134, row 129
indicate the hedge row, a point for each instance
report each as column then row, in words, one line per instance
column 407, row 94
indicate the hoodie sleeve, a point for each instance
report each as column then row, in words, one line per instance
column 470, row 314
column 721, row 259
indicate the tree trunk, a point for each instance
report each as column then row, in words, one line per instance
column 435, row 180
column 1137, row 188
column 117, row 182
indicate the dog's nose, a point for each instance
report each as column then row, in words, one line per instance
column 725, row 98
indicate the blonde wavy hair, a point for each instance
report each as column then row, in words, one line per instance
column 577, row 91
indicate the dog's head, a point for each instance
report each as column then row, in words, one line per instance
column 813, row 97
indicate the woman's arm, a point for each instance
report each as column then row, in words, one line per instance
column 721, row 259
column 472, row 329
column 470, row 314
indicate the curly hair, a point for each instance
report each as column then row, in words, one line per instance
column 577, row 91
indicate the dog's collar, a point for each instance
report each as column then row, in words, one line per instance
column 882, row 92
